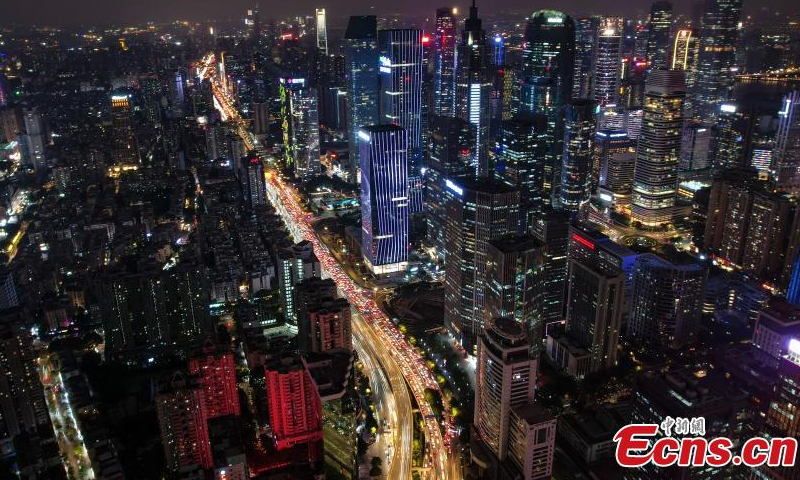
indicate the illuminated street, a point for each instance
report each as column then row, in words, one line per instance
column 412, row 366
column 70, row 439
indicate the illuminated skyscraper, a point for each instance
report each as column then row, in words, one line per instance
column 732, row 135
column 547, row 66
column 474, row 88
column 478, row 212
column 361, row 54
column 401, row 100
column 718, row 39
column 295, row 264
column 684, row 54
column 384, row 197
column 521, row 148
column 216, row 374
column 656, row 176
column 124, row 144
column 183, row 421
column 786, row 160
column 444, row 63
column 300, row 127
column 658, row 35
column 505, row 378
column 608, row 61
column 583, row 76
column 322, row 31
column 450, row 158
column 576, row 164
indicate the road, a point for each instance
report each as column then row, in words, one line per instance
column 392, row 400
column 69, row 442
column 387, row 338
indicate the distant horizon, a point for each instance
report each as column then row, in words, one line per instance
column 85, row 13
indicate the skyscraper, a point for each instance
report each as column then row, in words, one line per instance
column 667, row 302
column 718, row 39
column 576, row 164
column 478, row 212
column 474, row 87
column 583, row 74
column 216, row 373
column 361, row 54
column 183, row 421
column 300, row 127
column 532, row 441
column 505, row 378
column 607, row 61
column 515, row 287
column 444, row 63
column 547, row 66
column 551, row 228
column 658, row 35
column 125, row 150
column 522, row 145
column 322, row 31
column 450, row 158
column 656, row 174
column 32, row 142
column 384, row 197
column 401, row 99
column 256, row 183
column 786, row 161
column 323, row 318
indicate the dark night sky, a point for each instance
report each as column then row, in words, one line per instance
column 73, row 12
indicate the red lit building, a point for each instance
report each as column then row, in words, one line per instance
column 182, row 419
column 295, row 408
column 217, row 376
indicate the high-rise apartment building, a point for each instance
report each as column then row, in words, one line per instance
column 361, row 56
column 384, row 197
column 215, row 371
column 578, row 157
column 747, row 226
column 655, row 181
column 323, row 318
column 256, row 182
column 300, row 127
column 478, row 212
column 183, row 422
column 293, row 403
column 295, row 264
column 658, row 35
